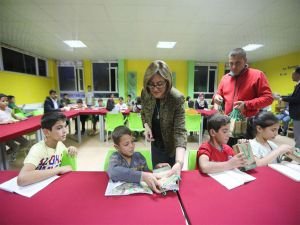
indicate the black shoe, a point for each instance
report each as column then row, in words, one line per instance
column 75, row 133
column 82, row 132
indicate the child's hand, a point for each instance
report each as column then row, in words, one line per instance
column 151, row 181
column 72, row 151
column 285, row 148
column 64, row 169
column 238, row 160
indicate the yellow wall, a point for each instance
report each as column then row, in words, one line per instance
column 140, row 66
column 279, row 72
column 28, row 88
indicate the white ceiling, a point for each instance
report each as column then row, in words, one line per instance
column 205, row 30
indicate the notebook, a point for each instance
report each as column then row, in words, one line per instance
column 288, row 169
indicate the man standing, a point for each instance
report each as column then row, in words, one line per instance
column 294, row 105
column 243, row 88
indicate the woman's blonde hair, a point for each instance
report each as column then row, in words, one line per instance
column 161, row 68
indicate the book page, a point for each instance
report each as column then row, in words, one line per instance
column 123, row 188
column 167, row 183
column 27, row 191
column 232, row 178
column 288, row 169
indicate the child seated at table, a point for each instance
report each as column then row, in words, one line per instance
column 265, row 126
column 80, row 106
column 127, row 165
column 120, row 106
column 44, row 158
column 6, row 117
column 215, row 155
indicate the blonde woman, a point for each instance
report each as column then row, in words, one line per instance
column 163, row 117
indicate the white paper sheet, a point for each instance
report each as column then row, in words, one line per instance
column 232, row 178
column 27, row 191
column 290, row 170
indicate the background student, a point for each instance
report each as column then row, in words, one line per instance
column 265, row 126
column 215, row 155
column 44, row 158
column 83, row 118
column 7, row 116
column 127, row 165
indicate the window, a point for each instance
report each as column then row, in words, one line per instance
column 17, row 61
column 70, row 76
column 42, row 66
column 205, row 79
column 105, row 79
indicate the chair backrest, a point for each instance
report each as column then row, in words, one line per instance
column 68, row 160
column 38, row 112
column 113, row 120
column 192, row 122
column 146, row 153
column 20, row 115
column 135, row 122
column 192, row 159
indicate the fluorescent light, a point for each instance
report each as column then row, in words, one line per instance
column 75, row 44
column 165, row 44
column 252, row 47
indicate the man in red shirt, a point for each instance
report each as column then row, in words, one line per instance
column 244, row 88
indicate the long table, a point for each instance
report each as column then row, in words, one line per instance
column 270, row 199
column 78, row 198
column 13, row 130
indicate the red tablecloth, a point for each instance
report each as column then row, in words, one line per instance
column 13, row 130
column 270, row 199
column 78, row 198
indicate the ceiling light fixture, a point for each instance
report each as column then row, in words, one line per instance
column 166, row 44
column 252, row 47
column 75, row 44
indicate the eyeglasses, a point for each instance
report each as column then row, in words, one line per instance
column 158, row 85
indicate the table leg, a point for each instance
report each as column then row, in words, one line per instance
column 101, row 128
column 78, row 129
column 3, row 162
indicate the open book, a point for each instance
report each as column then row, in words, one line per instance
column 27, row 191
column 288, row 169
column 232, row 178
column 122, row 188
column 245, row 148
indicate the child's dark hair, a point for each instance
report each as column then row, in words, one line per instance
column 119, row 132
column 49, row 119
column 263, row 119
column 216, row 121
column 79, row 101
column 2, row 95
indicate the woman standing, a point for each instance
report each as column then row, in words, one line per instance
column 163, row 116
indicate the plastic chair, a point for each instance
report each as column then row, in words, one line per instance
column 113, row 120
column 146, row 153
column 193, row 124
column 135, row 123
column 69, row 160
column 20, row 115
column 192, row 159
column 38, row 112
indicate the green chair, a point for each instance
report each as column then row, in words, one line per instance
column 135, row 122
column 144, row 152
column 192, row 159
column 193, row 124
column 69, row 160
column 38, row 112
column 113, row 120
column 20, row 115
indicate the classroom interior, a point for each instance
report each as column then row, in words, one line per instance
column 125, row 33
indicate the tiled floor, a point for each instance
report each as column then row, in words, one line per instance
column 92, row 152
